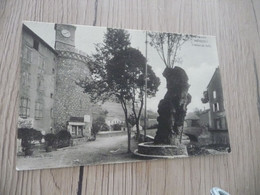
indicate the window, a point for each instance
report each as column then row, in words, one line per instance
column 51, row 113
column 41, row 65
column 36, row 44
column 51, row 95
column 214, row 94
column 26, row 79
column 27, row 55
column 24, row 107
column 77, row 131
column 74, row 130
column 218, row 123
column 40, row 83
column 215, row 107
column 80, row 131
column 53, row 71
column 38, row 110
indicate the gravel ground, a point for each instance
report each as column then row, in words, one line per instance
column 103, row 150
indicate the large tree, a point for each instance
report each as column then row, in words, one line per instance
column 118, row 74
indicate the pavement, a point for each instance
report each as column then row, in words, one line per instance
column 102, row 150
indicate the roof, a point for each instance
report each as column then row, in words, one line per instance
column 216, row 71
column 76, row 119
column 191, row 116
column 33, row 34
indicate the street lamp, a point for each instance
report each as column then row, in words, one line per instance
column 145, row 97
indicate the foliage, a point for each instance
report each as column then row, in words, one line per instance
column 198, row 111
column 131, row 119
column 205, row 98
column 28, row 135
column 99, row 124
column 50, row 139
column 115, row 41
column 118, row 74
column 117, row 127
column 167, row 45
column 63, row 138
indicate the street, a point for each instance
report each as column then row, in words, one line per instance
column 102, row 150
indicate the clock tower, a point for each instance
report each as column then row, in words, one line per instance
column 65, row 37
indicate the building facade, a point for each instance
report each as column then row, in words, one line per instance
column 49, row 96
column 38, row 81
column 214, row 96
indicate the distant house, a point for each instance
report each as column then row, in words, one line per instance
column 192, row 120
column 204, row 118
column 113, row 120
column 79, row 126
column 214, row 96
column 110, row 121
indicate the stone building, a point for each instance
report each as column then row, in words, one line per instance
column 38, row 81
column 70, row 101
column 217, row 124
column 217, row 119
column 49, row 96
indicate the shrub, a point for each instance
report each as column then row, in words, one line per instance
column 105, row 127
column 99, row 124
column 28, row 135
column 117, row 127
column 63, row 138
column 50, row 139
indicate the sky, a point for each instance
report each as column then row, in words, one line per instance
column 199, row 57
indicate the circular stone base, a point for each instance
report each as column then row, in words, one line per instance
column 149, row 149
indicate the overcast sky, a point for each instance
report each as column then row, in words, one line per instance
column 199, row 57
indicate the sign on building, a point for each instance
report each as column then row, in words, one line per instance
column 87, row 118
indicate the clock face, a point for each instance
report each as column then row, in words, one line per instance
column 65, row 33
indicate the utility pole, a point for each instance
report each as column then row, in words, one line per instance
column 145, row 96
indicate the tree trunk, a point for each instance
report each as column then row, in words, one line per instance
column 128, row 138
column 123, row 104
column 137, row 129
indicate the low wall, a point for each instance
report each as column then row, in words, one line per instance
column 219, row 137
column 111, row 133
column 214, row 137
column 77, row 141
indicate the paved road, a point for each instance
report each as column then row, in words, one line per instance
column 103, row 150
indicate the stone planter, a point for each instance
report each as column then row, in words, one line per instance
column 149, row 149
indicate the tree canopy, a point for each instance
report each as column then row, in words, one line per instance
column 118, row 73
column 167, row 46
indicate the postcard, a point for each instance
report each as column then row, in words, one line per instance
column 97, row 95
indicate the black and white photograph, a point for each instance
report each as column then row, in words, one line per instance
column 98, row 95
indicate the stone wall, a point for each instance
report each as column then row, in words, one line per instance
column 37, row 79
column 70, row 101
column 219, row 137
column 214, row 137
